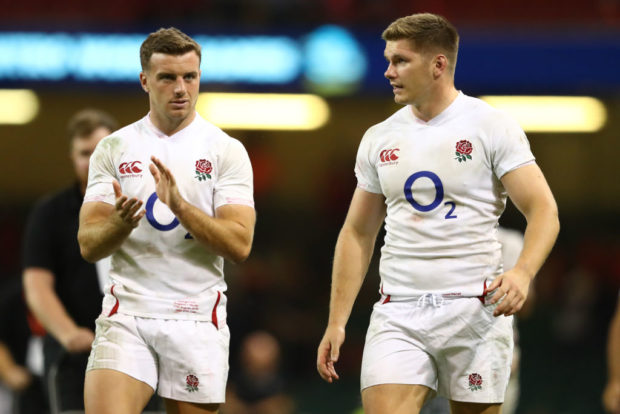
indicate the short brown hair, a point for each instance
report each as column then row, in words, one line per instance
column 86, row 121
column 428, row 32
column 170, row 41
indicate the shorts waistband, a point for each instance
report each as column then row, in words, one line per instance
column 426, row 299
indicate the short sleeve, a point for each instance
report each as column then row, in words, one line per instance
column 365, row 170
column 235, row 180
column 511, row 147
column 38, row 242
column 101, row 173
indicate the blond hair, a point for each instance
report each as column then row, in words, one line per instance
column 428, row 33
column 170, row 41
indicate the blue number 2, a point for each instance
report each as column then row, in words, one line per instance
column 438, row 193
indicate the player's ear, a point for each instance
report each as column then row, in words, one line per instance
column 143, row 82
column 440, row 65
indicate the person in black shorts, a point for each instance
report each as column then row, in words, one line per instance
column 61, row 288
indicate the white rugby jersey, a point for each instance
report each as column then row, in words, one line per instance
column 160, row 270
column 441, row 181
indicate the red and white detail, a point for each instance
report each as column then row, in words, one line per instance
column 130, row 168
column 388, row 155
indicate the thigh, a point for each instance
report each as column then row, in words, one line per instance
column 193, row 361
column 394, row 353
column 474, row 360
column 119, row 346
column 394, row 398
column 108, row 391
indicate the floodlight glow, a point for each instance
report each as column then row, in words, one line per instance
column 331, row 57
column 553, row 113
column 263, row 111
column 18, row 106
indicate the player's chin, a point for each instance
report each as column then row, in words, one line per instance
column 400, row 99
column 179, row 113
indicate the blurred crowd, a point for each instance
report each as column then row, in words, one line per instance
column 257, row 14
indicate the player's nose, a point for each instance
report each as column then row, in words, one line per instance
column 179, row 87
column 390, row 73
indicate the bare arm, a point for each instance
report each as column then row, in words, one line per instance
column 15, row 376
column 611, row 395
column 104, row 227
column 229, row 234
column 353, row 253
column 49, row 310
column 529, row 191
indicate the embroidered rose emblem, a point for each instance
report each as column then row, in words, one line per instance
column 463, row 150
column 203, row 169
column 475, row 382
column 191, row 383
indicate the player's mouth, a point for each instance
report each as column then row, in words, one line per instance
column 179, row 103
column 396, row 88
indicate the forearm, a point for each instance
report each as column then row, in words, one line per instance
column 540, row 235
column 7, row 363
column 351, row 259
column 102, row 238
column 15, row 376
column 45, row 305
column 224, row 237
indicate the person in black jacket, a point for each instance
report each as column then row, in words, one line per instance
column 61, row 288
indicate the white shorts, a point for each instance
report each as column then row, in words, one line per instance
column 183, row 360
column 456, row 347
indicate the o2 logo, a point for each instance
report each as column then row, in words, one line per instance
column 438, row 194
column 150, row 216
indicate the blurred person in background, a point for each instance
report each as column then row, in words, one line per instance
column 611, row 394
column 61, row 288
column 438, row 172
column 21, row 355
column 257, row 386
column 163, row 324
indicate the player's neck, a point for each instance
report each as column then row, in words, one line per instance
column 171, row 126
column 435, row 103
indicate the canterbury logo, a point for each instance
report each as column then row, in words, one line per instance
column 389, row 155
column 131, row 167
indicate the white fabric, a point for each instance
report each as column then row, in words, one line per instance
column 442, row 213
column 103, row 272
column 160, row 271
column 512, row 244
column 164, row 354
column 439, row 345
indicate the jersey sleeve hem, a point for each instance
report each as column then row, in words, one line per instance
column 518, row 165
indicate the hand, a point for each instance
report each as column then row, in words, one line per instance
column 611, row 398
column 78, row 340
column 127, row 209
column 165, row 184
column 512, row 288
column 328, row 353
column 17, row 378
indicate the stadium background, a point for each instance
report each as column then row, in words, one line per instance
column 304, row 179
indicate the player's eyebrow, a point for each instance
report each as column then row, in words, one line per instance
column 394, row 56
column 164, row 75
